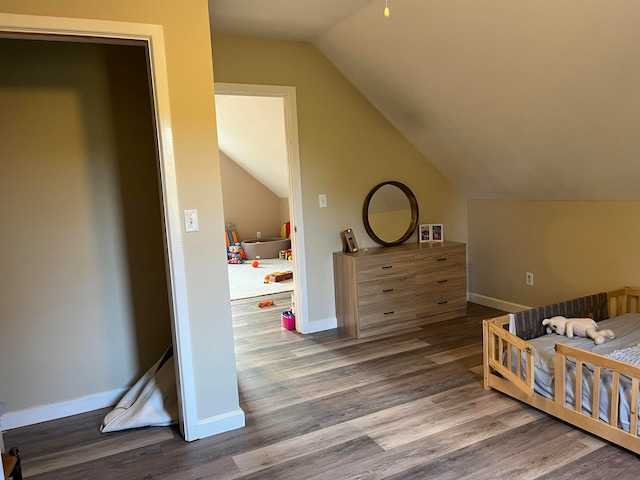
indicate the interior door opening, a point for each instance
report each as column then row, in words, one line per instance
column 257, row 135
column 255, row 189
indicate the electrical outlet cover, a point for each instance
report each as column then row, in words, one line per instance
column 191, row 221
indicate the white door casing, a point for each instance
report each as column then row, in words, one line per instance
column 19, row 26
column 288, row 94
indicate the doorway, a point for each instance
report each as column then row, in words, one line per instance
column 271, row 98
column 255, row 194
column 80, row 30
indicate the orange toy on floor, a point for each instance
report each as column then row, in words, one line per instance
column 278, row 276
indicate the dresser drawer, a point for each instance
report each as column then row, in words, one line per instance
column 394, row 311
column 373, row 268
column 442, row 280
column 434, row 303
column 438, row 259
column 380, row 291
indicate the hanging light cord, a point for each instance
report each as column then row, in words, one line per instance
column 386, row 8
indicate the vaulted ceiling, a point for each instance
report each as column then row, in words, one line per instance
column 251, row 132
column 527, row 99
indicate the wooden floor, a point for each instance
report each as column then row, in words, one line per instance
column 326, row 406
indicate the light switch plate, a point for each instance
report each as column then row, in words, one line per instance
column 322, row 199
column 191, row 221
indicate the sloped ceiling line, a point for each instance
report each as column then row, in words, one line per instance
column 251, row 132
column 522, row 100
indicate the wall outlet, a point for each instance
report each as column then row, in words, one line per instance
column 258, row 234
column 529, row 279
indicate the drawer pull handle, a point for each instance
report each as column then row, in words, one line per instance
column 389, row 313
column 443, row 281
column 443, row 303
column 387, row 290
column 441, row 259
column 385, row 267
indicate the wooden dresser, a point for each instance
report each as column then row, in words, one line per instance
column 386, row 289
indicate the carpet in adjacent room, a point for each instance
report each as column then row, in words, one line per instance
column 246, row 281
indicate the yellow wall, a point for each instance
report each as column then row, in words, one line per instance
column 346, row 148
column 572, row 248
column 190, row 83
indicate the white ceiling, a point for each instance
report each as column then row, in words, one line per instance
column 287, row 19
column 527, row 99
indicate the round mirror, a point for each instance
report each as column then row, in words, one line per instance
column 390, row 213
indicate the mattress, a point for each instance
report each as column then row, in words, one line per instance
column 627, row 330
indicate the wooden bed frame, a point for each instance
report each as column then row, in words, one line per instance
column 520, row 385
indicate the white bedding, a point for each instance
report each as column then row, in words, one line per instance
column 627, row 330
column 630, row 355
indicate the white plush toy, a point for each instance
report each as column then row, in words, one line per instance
column 581, row 327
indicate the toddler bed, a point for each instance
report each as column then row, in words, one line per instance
column 557, row 375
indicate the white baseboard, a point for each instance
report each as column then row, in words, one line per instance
column 329, row 323
column 53, row 411
column 220, row 423
column 320, row 325
column 44, row 413
column 495, row 303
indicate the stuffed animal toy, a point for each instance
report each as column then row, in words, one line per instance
column 235, row 253
column 581, row 327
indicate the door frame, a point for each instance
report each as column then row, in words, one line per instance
column 288, row 94
column 75, row 29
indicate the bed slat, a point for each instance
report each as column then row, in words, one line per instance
column 578, row 394
column 633, row 424
column 561, row 365
column 595, row 393
column 615, row 400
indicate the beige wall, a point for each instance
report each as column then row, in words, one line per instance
column 284, row 211
column 82, row 256
column 248, row 204
column 572, row 248
column 346, row 148
column 389, row 226
column 190, row 84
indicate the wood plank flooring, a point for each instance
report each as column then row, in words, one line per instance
column 327, row 406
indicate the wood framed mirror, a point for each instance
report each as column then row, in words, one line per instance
column 390, row 213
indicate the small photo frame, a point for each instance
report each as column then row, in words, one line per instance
column 437, row 233
column 425, row 233
column 431, row 233
column 349, row 240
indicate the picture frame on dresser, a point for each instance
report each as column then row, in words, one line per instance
column 349, row 241
column 425, row 233
column 437, row 233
